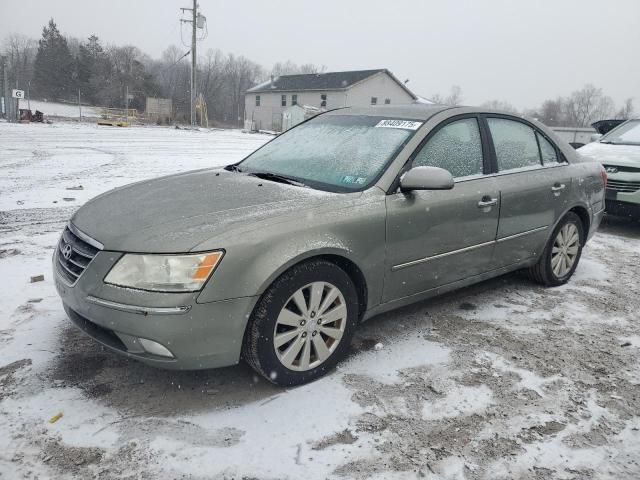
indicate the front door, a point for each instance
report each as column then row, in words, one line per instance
column 438, row 237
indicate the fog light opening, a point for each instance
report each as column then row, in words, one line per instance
column 155, row 348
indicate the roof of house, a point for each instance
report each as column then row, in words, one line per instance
column 322, row 81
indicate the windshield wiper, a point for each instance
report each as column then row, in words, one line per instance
column 275, row 177
column 608, row 142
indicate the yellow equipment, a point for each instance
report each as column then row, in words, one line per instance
column 117, row 117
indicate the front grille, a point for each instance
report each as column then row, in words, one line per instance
column 622, row 186
column 620, row 168
column 73, row 256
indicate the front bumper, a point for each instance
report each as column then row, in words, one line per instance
column 622, row 196
column 197, row 335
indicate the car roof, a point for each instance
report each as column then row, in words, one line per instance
column 415, row 111
column 411, row 111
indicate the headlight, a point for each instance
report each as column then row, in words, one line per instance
column 164, row 273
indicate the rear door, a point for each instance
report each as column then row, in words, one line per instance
column 533, row 191
column 438, row 237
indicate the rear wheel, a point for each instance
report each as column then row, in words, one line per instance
column 303, row 324
column 562, row 253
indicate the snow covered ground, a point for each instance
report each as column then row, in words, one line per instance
column 501, row 380
column 54, row 109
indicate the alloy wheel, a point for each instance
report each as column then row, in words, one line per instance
column 310, row 326
column 565, row 250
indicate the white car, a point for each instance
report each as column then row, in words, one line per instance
column 619, row 153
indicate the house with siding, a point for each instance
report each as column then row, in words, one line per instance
column 266, row 103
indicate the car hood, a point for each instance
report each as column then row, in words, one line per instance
column 621, row 155
column 176, row 213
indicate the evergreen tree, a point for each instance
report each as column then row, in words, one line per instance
column 91, row 68
column 53, row 67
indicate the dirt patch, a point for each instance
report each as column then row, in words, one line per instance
column 9, row 252
column 344, row 437
column 75, row 460
column 136, row 389
column 7, row 376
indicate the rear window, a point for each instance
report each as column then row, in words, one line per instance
column 548, row 151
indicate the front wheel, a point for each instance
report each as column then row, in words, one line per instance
column 562, row 253
column 303, row 324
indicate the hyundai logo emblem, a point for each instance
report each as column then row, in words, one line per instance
column 67, row 251
column 612, row 169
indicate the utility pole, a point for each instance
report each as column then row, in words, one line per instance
column 126, row 104
column 79, row 107
column 194, row 26
column 5, row 89
column 197, row 21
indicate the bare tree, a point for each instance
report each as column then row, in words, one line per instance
column 626, row 111
column 587, row 105
column 292, row 68
column 500, row 105
column 454, row 98
column 21, row 52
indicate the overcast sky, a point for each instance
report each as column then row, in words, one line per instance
column 518, row 51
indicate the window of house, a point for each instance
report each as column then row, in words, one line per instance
column 257, row 100
column 374, row 100
column 515, row 144
column 456, row 147
column 294, row 99
column 387, row 101
column 323, row 100
column 548, row 152
column 283, row 100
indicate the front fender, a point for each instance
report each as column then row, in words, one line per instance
column 254, row 260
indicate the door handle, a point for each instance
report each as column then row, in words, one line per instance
column 558, row 188
column 490, row 202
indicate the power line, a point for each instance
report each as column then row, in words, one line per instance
column 176, row 62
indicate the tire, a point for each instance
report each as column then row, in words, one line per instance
column 277, row 313
column 547, row 270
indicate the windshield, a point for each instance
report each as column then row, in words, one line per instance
column 626, row 134
column 334, row 152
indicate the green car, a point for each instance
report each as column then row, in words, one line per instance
column 619, row 153
column 355, row 212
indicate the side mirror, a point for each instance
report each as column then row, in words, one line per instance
column 426, row 178
column 595, row 137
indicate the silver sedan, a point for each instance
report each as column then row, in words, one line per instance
column 355, row 212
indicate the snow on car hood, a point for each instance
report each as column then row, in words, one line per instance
column 612, row 154
column 176, row 213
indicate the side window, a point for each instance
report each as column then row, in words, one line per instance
column 387, row 101
column 294, row 99
column 257, row 100
column 283, row 100
column 323, row 100
column 456, row 147
column 549, row 154
column 374, row 100
column 515, row 144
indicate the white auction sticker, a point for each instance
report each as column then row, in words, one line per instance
column 406, row 124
